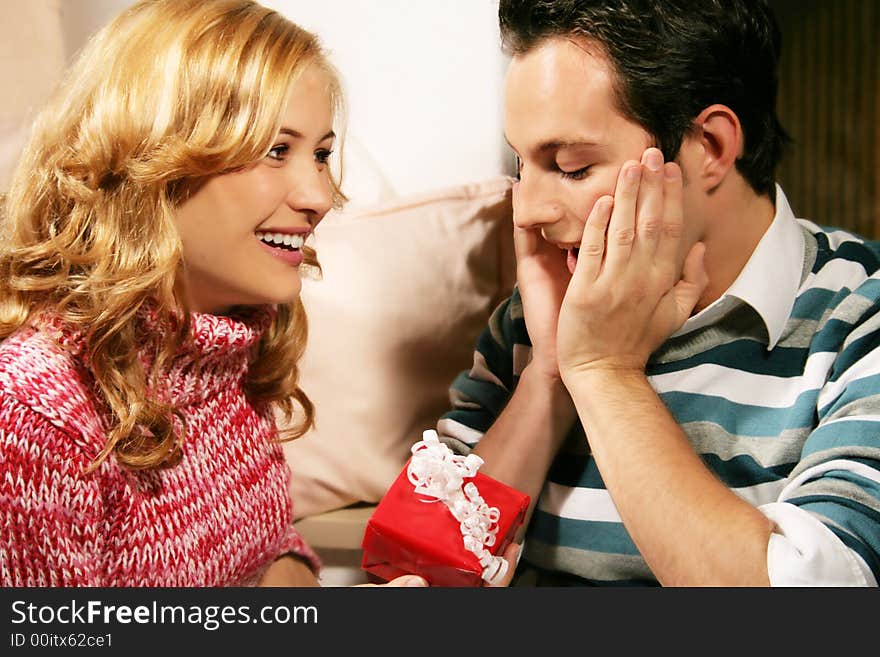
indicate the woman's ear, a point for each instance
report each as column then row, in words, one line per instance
column 715, row 141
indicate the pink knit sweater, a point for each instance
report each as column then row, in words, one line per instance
column 217, row 518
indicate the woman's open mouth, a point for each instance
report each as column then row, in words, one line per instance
column 285, row 246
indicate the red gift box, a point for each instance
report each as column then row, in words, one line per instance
column 414, row 533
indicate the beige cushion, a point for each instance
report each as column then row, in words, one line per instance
column 407, row 288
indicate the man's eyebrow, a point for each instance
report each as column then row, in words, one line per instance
column 298, row 135
column 558, row 144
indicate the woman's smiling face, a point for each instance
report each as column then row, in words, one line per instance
column 242, row 231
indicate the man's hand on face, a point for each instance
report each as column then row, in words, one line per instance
column 542, row 277
column 625, row 297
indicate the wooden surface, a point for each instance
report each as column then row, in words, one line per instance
column 828, row 103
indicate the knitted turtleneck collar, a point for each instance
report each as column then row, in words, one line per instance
column 215, row 357
column 224, row 336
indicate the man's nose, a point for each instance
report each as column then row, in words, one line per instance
column 534, row 204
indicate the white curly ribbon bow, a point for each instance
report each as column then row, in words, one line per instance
column 437, row 472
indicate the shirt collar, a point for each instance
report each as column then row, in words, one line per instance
column 770, row 279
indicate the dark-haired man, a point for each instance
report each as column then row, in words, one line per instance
column 687, row 378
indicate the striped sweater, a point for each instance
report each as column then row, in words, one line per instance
column 777, row 387
column 216, row 518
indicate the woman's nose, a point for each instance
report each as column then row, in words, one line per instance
column 311, row 192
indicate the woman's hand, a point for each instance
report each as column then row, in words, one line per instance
column 288, row 570
column 402, row 581
column 511, row 555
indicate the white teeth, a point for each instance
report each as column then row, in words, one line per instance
column 293, row 241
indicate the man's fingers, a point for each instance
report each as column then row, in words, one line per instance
column 621, row 229
column 526, row 242
column 650, row 208
column 592, row 250
column 673, row 218
column 511, row 555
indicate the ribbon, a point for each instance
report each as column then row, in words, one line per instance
column 435, row 471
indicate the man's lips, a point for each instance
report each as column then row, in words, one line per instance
column 571, row 251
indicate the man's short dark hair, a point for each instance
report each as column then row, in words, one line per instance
column 671, row 60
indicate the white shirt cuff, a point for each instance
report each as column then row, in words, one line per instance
column 804, row 552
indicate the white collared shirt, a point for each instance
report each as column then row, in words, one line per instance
column 769, row 281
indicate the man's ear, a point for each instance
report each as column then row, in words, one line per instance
column 715, row 141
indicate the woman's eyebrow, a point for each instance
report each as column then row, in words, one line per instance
column 298, row 135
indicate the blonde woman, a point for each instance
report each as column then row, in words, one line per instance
column 149, row 314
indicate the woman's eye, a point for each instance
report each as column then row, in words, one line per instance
column 579, row 174
column 518, row 168
column 322, row 156
column 278, row 152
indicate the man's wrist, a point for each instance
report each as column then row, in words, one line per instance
column 548, row 390
column 594, row 389
column 545, row 377
column 613, row 372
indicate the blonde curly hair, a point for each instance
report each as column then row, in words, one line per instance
column 169, row 94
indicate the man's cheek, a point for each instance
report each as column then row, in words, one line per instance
column 588, row 207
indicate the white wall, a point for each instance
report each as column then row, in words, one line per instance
column 423, row 81
column 30, row 34
column 81, row 18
